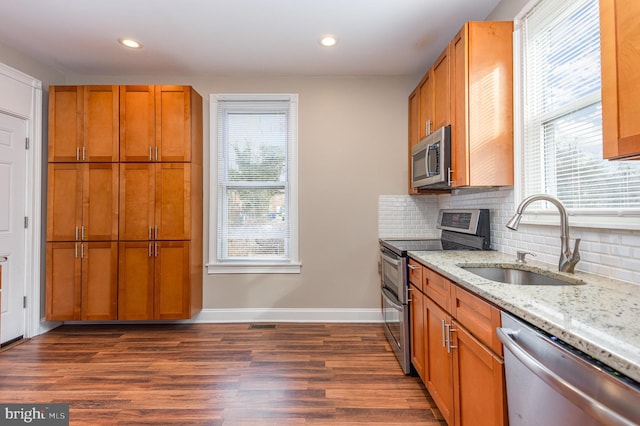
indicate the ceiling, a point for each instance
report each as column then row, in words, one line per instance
column 375, row 37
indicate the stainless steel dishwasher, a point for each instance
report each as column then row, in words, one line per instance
column 551, row 383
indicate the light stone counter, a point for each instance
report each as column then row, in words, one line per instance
column 601, row 317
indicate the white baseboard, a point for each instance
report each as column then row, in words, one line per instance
column 288, row 315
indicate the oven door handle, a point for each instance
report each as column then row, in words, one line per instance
column 390, row 297
column 389, row 259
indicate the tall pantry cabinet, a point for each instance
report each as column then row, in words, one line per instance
column 124, row 207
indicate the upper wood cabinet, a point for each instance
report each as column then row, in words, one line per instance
column 620, row 57
column 155, row 123
column 155, row 201
column 414, row 131
column 83, row 124
column 482, row 104
column 82, row 202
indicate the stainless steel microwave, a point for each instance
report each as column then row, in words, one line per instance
column 431, row 160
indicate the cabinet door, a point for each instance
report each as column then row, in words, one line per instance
column 437, row 287
column 439, row 361
column 137, row 201
column 441, row 91
column 482, row 104
column 100, row 202
column 101, row 124
column 173, row 123
column 135, row 280
column 137, row 123
column 414, row 123
column 63, row 281
column 619, row 40
column 65, row 123
column 172, row 294
column 426, row 105
column 99, row 280
column 173, row 201
column 417, row 312
column 64, row 201
column 480, row 397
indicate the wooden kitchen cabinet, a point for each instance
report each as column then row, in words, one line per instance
column 146, row 200
column 439, row 360
column 482, row 104
column 461, row 355
column 82, row 202
column 154, row 281
column 426, row 92
column 620, row 59
column 156, row 123
column 83, row 124
column 81, row 280
column 414, row 131
column 155, row 201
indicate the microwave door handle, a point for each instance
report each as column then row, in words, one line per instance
column 432, row 147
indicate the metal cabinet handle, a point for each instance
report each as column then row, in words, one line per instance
column 156, row 244
column 428, row 127
column 82, row 234
column 76, row 250
column 77, row 153
column 156, row 153
column 81, row 251
column 156, row 233
column 149, row 254
column 444, row 340
column 414, row 267
column 76, row 233
column 84, row 152
column 560, row 385
column 449, row 331
column 449, row 173
column 3, row 259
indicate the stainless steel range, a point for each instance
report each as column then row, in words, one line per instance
column 462, row 229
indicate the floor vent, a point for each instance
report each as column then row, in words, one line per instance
column 261, row 326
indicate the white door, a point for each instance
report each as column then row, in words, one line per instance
column 13, row 165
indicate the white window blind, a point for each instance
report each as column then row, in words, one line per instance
column 562, row 113
column 256, row 223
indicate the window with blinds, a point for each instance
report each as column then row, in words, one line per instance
column 256, row 212
column 559, row 70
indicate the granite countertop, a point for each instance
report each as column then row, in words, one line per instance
column 601, row 317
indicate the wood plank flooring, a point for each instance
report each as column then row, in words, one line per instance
column 217, row 374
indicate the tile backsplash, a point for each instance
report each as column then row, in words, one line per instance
column 608, row 252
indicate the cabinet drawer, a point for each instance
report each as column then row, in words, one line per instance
column 478, row 316
column 437, row 287
column 415, row 274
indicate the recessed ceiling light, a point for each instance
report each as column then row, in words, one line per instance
column 129, row 42
column 328, row 41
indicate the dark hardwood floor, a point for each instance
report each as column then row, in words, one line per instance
column 217, row 374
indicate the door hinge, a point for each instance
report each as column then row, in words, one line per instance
column 26, row 143
column 26, row 222
column 24, row 302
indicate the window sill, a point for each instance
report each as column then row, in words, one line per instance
column 597, row 220
column 253, row 268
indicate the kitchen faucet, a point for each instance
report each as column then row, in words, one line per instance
column 568, row 260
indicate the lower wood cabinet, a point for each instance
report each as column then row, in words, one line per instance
column 439, row 359
column 81, row 280
column 456, row 352
column 416, row 327
column 478, row 377
column 149, row 272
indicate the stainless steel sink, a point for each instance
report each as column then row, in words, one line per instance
column 508, row 275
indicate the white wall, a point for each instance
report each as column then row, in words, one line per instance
column 352, row 149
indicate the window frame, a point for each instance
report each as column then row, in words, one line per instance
column 627, row 219
column 292, row 264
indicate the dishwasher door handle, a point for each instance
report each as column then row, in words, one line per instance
column 588, row 404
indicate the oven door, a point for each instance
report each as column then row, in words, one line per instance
column 396, row 328
column 394, row 274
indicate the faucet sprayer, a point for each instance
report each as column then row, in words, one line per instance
column 568, row 259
